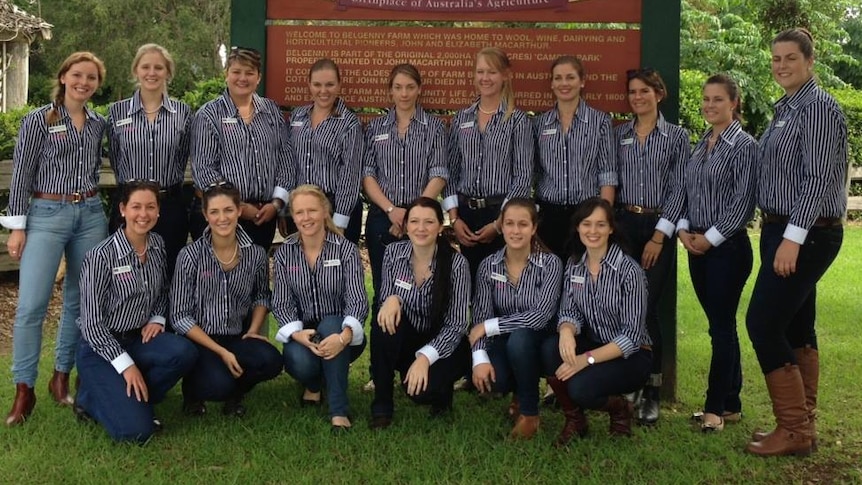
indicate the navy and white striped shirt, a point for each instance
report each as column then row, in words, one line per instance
column 719, row 185
column 255, row 157
column 403, row 167
column 149, row 151
column 398, row 279
column 334, row 286
column 330, row 156
column 496, row 162
column 56, row 159
column 203, row 294
column 804, row 160
column 610, row 309
column 119, row 293
column 650, row 175
column 503, row 307
column 573, row 166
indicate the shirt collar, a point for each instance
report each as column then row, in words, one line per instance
column 64, row 113
column 330, row 238
column 580, row 113
column 136, row 104
column 729, row 134
column 475, row 107
column 536, row 258
column 124, row 247
column 799, row 98
column 419, row 116
column 258, row 102
column 612, row 258
column 242, row 237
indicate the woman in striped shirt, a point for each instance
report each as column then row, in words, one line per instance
column 148, row 136
column 126, row 360
column 517, row 293
column 719, row 196
column 319, row 302
column 54, row 209
column 423, row 317
column 652, row 155
column 801, row 193
column 220, row 288
column 602, row 349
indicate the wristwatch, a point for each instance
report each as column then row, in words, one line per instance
column 390, row 209
column 590, row 359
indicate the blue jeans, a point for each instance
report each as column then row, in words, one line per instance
column 53, row 228
column 718, row 278
column 163, row 362
column 310, row 369
column 517, row 366
column 210, row 379
column 782, row 310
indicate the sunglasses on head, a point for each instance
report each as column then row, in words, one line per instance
column 142, row 183
column 223, row 185
column 245, row 51
column 644, row 71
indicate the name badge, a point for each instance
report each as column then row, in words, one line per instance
column 578, row 280
column 780, row 123
column 382, row 137
column 295, row 123
column 122, row 269
column 549, row 131
column 499, row 277
column 57, row 129
column 229, row 121
column 626, row 141
column 467, row 124
column 123, row 122
column 331, row 262
column 403, row 284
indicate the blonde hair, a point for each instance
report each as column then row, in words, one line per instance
column 170, row 65
column 58, row 94
column 500, row 61
column 313, row 190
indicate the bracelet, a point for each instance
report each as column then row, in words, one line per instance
column 656, row 242
column 390, row 209
column 453, row 221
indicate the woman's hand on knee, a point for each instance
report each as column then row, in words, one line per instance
column 389, row 316
column 331, row 346
column 484, row 377
column 417, row 376
column 232, row 364
column 135, row 384
column 150, row 331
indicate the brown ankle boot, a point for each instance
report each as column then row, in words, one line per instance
column 791, row 435
column 22, row 407
column 620, row 411
column 58, row 388
column 576, row 422
column 525, row 428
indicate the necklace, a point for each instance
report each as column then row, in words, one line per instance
column 156, row 110
column 493, row 111
column 232, row 258
column 142, row 253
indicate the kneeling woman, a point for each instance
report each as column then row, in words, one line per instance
column 517, row 293
column 425, row 295
column 319, row 302
column 221, row 280
column 603, row 349
column 126, row 361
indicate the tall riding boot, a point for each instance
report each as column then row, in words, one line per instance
column 650, row 406
column 791, row 435
column 58, row 388
column 22, row 406
column 576, row 421
column 620, row 411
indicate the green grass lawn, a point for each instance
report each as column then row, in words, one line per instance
column 277, row 442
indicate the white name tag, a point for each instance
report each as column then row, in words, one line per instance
column 57, row 129
column 780, row 123
column 578, row 280
column 627, row 141
column 122, row 269
column 403, row 284
column 550, row 131
column 499, row 277
column 467, row 124
column 382, row 137
column 331, row 262
column 295, row 123
column 229, row 121
column 123, row 122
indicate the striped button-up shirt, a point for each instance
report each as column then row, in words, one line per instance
column 334, row 285
column 330, row 155
column 416, row 300
column 255, row 157
column 120, row 293
column 143, row 150
column 719, row 185
column 650, row 175
column 55, row 159
column 803, row 157
column 403, row 167
column 610, row 309
column 573, row 166
column 218, row 301
column 503, row 307
column 498, row 161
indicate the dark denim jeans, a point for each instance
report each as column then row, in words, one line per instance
column 517, row 366
column 210, row 379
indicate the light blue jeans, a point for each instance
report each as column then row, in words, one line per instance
column 53, row 228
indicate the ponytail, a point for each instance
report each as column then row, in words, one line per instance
column 441, row 290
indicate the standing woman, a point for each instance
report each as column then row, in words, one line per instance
column 801, row 193
column 220, row 279
column 327, row 138
column 126, row 360
column 320, row 303
column 719, row 190
column 517, row 293
column 54, row 209
column 423, row 316
column 490, row 158
column 149, row 140
column 241, row 138
column 602, row 349
column 576, row 154
column 652, row 155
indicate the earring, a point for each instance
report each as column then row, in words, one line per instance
column 122, row 214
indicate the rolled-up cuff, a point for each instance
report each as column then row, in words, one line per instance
column 480, row 357
column 286, row 331
column 429, row 352
column 450, row 203
column 683, row 225
column 341, row 220
column 158, row 319
column 608, row 179
column 358, row 333
column 492, row 327
column 665, row 226
column 123, row 362
column 795, row 234
column 14, row 222
column 281, row 193
column 714, row 237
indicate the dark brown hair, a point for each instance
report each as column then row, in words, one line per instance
column 584, row 210
column 650, row 77
column 536, row 244
column 732, row 90
column 408, row 70
column 244, row 55
column 322, row 65
column 573, row 61
column 801, row 37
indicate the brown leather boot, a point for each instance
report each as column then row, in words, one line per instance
column 525, row 428
column 620, row 411
column 514, row 411
column 791, row 435
column 58, row 388
column 576, row 422
column 22, row 407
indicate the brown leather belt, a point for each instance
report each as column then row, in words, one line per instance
column 73, row 198
column 636, row 209
column 819, row 222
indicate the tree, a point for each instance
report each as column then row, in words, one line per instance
column 850, row 70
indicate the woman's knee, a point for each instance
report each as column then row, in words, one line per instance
column 550, row 355
column 523, row 344
column 330, row 325
column 300, row 362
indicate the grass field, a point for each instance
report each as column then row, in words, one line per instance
column 277, row 442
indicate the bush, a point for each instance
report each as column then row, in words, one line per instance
column 9, row 124
column 851, row 103
column 690, row 94
column 203, row 92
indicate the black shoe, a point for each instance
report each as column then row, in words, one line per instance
column 194, row 408
column 648, row 412
column 380, row 422
column 82, row 415
column 233, row 407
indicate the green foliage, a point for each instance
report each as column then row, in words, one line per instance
column 850, row 69
column 10, row 122
column 204, row 91
column 851, row 103
column 690, row 89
